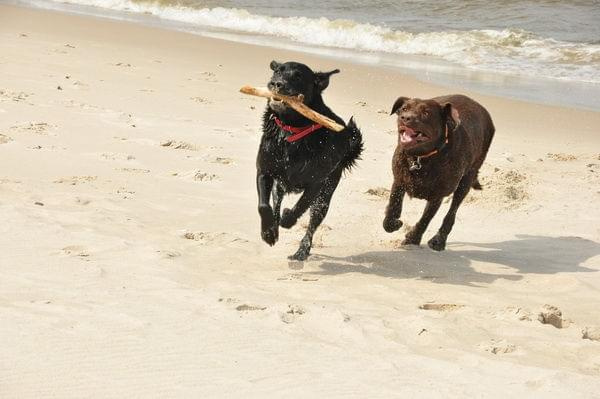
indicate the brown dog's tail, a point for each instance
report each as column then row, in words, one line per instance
column 476, row 185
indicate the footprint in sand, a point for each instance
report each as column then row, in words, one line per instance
column 249, row 308
column 16, row 96
column 74, row 251
column 5, row 139
column 165, row 254
column 498, row 347
column 197, row 175
column 122, row 64
column 133, row 170
column 297, row 277
column 229, row 300
column 125, row 193
column 553, row 316
column 82, row 201
column 378, row 192
column 292, row 314
column 205, row 77
column 41, row 128
column 591, row 333
column 204, row 238
column 223, row 160
column 75, row 180
column 513, row 312
column 221, row 239
column 504, row 189
column 441, row 307
column 179, row 145
column 113, row 156
column 200, row 100
column 561, row 156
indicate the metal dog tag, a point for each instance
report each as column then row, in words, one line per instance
column 415, row 165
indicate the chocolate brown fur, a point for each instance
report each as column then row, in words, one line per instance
column 451, row 170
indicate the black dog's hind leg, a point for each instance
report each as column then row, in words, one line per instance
column 268, row 229
column 438, row 241
column 289, row 217
column 392, row 221
column 413, row 237
column 318, row 211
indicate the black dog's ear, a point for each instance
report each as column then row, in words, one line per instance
column 399, row 102
column 274, row 65
column 322, row 79
column 451, row 113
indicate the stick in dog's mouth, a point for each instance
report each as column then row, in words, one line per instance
column 295, row 102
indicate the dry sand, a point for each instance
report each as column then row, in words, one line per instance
column 132, row 266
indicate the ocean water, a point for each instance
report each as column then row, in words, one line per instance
column 541, row 50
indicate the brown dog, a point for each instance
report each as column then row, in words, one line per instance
column 442, row 143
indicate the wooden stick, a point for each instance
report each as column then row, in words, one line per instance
column 297, row 104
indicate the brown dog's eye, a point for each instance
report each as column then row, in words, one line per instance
column 404, row 109
column 425, row 114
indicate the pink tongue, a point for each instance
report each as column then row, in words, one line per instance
column 408, row 135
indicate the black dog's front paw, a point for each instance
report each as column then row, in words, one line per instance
column 437, row 243
column 270, row 235
column 287, row 219
column 391, row 225
column 269, row 230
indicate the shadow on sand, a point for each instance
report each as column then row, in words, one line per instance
column 525, row 254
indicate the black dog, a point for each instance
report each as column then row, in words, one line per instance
column 442, row 143
column 297, row 155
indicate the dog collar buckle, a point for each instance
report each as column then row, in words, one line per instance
column 415, row 164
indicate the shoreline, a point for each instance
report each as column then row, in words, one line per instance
column 133, row 264
column 426, row 69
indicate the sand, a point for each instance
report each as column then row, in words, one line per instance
column 132, row 266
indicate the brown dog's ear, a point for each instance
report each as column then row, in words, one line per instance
column 450, row 112
column 274, row 65
column 322, row 79
column 398, row 104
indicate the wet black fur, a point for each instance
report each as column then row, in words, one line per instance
column 312, row 166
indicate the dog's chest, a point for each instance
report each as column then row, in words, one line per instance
column 429, row 182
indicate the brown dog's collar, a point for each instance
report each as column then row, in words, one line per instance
column 416, row 163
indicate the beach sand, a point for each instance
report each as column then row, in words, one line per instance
column 132, row 265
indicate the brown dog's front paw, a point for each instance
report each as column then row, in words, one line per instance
column 287, row 219
column 437, row 243
column 391, row 225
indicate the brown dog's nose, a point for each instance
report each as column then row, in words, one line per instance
column 406, row 117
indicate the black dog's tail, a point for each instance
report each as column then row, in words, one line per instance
column 356, row 145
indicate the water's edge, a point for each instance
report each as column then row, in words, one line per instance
column 424, row 68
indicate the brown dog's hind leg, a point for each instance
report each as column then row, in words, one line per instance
column 318, row 211
column 438, row 242
column 413, row 237
column 392, row 221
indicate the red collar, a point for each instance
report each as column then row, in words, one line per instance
column 297, row 132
